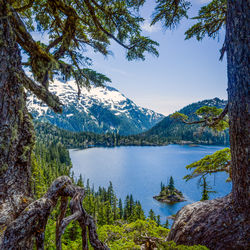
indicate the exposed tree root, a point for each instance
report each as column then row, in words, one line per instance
column 214, row 223
column 32, row 221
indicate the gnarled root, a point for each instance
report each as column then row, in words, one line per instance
column 215, row 224
column 32, row 221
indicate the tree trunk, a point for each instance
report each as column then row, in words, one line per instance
column 238, row 43
column 224, row 223
column 16, row 137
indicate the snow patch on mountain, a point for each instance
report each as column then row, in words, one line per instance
column 98, row 109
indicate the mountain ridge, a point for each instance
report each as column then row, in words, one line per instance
column 176, row 131
column 98, row 110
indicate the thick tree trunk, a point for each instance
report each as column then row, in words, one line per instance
column 238, row 44
column 21, row 219
column 224, row 223
column 16, row 138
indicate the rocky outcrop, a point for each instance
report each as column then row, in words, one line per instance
column 168, row 196
column 215, row 224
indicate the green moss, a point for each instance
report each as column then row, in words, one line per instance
column 14, row 134
column 3, row 168
column 26, row 151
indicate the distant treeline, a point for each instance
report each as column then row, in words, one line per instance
column 48, row 132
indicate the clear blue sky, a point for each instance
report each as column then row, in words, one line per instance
column 185, row 71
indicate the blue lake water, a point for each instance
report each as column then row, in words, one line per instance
column 140, row 170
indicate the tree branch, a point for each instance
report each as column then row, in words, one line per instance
column 51, row 100
column 98, row 25
column 25, row 7
column 214, row 121
column 29, row 222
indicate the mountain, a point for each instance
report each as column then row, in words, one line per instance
column 176, row 132
column 98, row 110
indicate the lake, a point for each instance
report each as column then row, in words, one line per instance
column 140, row 170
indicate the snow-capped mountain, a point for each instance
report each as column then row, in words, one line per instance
column 98, row 110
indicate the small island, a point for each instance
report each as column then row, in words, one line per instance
column 169, row 194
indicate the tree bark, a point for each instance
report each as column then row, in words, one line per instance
column 16, row 137
column 238, row 43
column 23, row 220
column 224, row 223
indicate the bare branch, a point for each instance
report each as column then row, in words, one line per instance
column 31, row 221
column 59, row 230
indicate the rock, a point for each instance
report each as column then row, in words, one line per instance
column 213, row 223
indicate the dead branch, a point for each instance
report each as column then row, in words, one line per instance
column 33, row 219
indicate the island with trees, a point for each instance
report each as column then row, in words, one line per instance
column 169, row 194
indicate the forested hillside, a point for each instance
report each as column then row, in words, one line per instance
column 167, row 131
column 47, row 132
column 176, row 131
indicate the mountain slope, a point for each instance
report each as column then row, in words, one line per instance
column 98, row 110
column 176, row 131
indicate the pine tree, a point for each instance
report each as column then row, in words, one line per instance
column 204, row 186
column 131, row 204
column 114, row 208
column 126, row 208
column 166, row 225
column 110, row 193
column 151, row 215
column 158, row 220
column 206, row 189
column 171, row 184
column 80, row 181
column 120, row 209
column 162, row 186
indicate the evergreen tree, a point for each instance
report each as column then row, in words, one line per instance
column 131, row 204
column 80, row 181
column 171, row 184
column 220, row 161
column 158, row 220
column 110, row 193
column 151, row 215
column 166, row 225
column 126, row 208
column 206, row 189
column 87, row 188
column 205, row 195
column 120, row 209
column 114, row 208
column 109, row 214
column 162, row 186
